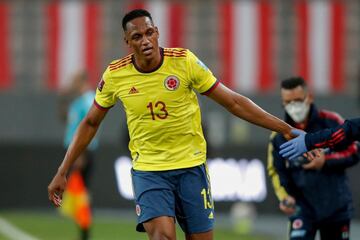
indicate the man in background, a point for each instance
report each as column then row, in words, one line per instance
column 314, row 193
column 76, row 101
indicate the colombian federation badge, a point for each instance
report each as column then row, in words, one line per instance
column 171, row 83
column 298, row 223
column 138, row 209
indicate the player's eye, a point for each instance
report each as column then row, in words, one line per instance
column 150, row 32
column 136, row 37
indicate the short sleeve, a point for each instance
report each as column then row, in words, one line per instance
column 201, row 77
column 105, row 92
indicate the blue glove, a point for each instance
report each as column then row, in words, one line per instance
column 295, row 147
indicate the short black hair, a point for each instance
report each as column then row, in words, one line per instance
column 135, row 14
column 293, row 82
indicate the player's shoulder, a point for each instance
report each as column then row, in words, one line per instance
column 120, row 63
column 176, row 52
column 331, row 116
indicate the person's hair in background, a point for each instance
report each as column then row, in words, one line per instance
column 75, row 87
column 293, row 82
column 79, row 83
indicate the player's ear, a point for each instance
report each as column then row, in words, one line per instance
column 157, row 32
column 310, row 97
column 126, row 41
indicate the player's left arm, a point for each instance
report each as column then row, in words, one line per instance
column 246, row 109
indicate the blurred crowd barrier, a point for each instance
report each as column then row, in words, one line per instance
column 250, row 45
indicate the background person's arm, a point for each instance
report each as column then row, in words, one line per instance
column 246, row 109
column 83, row 136
column 339, row 137
column 280, row 178
column 336, row 138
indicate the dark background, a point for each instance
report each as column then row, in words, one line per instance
column 27, row 166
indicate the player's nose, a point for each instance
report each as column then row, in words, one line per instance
column 145, row 41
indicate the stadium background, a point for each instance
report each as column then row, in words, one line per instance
column 249, row 45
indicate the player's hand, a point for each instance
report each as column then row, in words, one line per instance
column 295, row 147
column 290, row 135
column 288, row 205
column 56, row 189
column 316, row 158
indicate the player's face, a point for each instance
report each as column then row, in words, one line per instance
column 142, row 37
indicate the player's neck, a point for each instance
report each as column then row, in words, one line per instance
column 148, row 64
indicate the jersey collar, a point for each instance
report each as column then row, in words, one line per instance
column 152, row 70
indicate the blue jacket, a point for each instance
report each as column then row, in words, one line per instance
column 321, row 195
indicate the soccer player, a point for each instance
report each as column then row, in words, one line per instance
column 313, row 192
column 338, row 137
column 156, row 87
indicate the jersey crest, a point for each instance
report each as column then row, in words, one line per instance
column 298, row 223
column 171, row 83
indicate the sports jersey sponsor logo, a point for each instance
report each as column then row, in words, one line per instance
column 101, row 85
column 133, row 90
column 171, row 83
column 138, row 209
column 298, row 223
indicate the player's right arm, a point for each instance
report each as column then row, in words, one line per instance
column 246, row 109
column 83, row 136
column 104, row 100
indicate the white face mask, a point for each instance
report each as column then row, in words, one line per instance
column 298, row 111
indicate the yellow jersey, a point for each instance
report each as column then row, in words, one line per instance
column 162, row 110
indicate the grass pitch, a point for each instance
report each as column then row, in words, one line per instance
column 52, row 226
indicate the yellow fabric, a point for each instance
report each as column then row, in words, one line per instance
column 164, row 124
column 275, row 179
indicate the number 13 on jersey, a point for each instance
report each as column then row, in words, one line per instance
column 158, row 110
